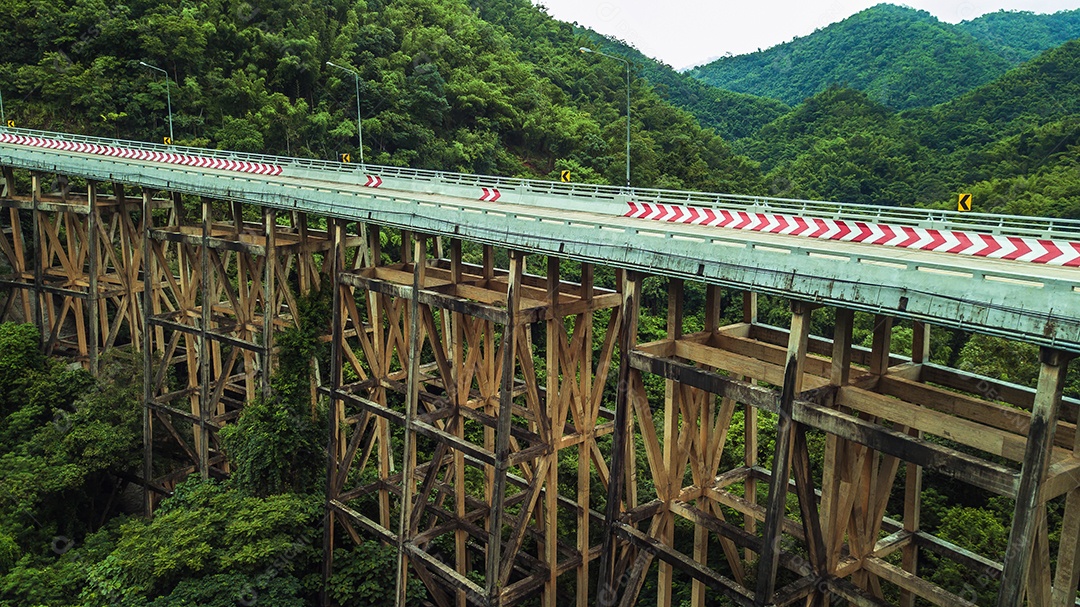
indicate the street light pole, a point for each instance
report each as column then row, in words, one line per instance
column 627, row 63
column 3, row 116
column 359, row 126
column 168, row 93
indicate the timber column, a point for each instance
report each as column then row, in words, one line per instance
column 220, row 289
column 448, row 353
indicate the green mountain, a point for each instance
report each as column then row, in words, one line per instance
column 901, row 57
column 733, row 115
column 496, row 86
column 1013, row 143
column 1020, row 36
column 1040, row 91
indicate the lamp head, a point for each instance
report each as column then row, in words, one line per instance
column 585, row 50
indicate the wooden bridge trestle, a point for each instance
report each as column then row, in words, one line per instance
column 505, row 428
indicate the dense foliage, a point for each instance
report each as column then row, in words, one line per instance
column 491, row 86
column 901, row 57
column 733, row 115
column 1019, row 36
column 1011, row 143
column 440, row 87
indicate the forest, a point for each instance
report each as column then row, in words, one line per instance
column 478, row 86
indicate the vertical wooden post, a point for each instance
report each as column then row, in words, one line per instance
column 461, row 397
column 553, row 404
column 92, row 293
column 502, row 434
column 39, row 257
column 585, row 448
column 336, row 233
column 713, row 309
column 668, row 486
column 269, row 293
column 920, row 342
column 1029, row 505
column 1067, row 575
column 203, row 442
column 880, row 351
column 412, row 399
column 607, row 586
column 830, row 488
column 776, row 509
column 750, row 307
column 913, row 474
column 149, row 274
column 750, row 428
column 489, row 370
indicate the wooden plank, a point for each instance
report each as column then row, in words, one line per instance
column 973, row 434
column 1029, row 508
column 722, row 585
column 502, row 433
column 984, row 412
column 739, row 365
column 621, row 437
column 920, row 587
column 709, row 381
column 993, row 389
column 942, row 460
column 776, row 509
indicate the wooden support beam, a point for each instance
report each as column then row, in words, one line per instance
column 1029, row 507
column 269, row 292
column 202, row 439
column 942, row 460
column 93, row 270
column 502, row 433
column 412, row 399
column 149, row 275
column 337, row 406
column 1067, row 574
column 777, row 505
column 608, row 586
column 723, row 586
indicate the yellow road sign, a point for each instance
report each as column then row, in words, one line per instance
column 566, row 176
column 346, row 157
column 167, row 140
column 964, row 203
column 11, row 124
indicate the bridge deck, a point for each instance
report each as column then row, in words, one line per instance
column 1032, row 302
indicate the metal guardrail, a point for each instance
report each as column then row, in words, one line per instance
column 1035, row 303
column 1007, row 225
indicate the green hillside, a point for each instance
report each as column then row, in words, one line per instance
column 493, row 86
column 1020, row 35
column 1013, row 143
column 901, row 57
column 733, row 115
column 441, row 87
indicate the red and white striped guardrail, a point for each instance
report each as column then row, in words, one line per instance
column 205, row 162
column 1034, row 250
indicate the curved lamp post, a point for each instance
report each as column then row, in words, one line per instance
column 617, row 58
column 359, row 127
column 168, row 93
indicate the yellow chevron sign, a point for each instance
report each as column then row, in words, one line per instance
column 964, row 202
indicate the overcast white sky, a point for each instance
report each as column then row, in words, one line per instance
column 685, row 33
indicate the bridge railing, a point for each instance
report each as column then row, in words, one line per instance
column 571, row 195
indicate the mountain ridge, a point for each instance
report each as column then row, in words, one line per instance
column 902, row 57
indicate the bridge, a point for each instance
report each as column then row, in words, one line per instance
column 534, row 461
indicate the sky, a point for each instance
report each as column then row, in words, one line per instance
column 686, row 33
